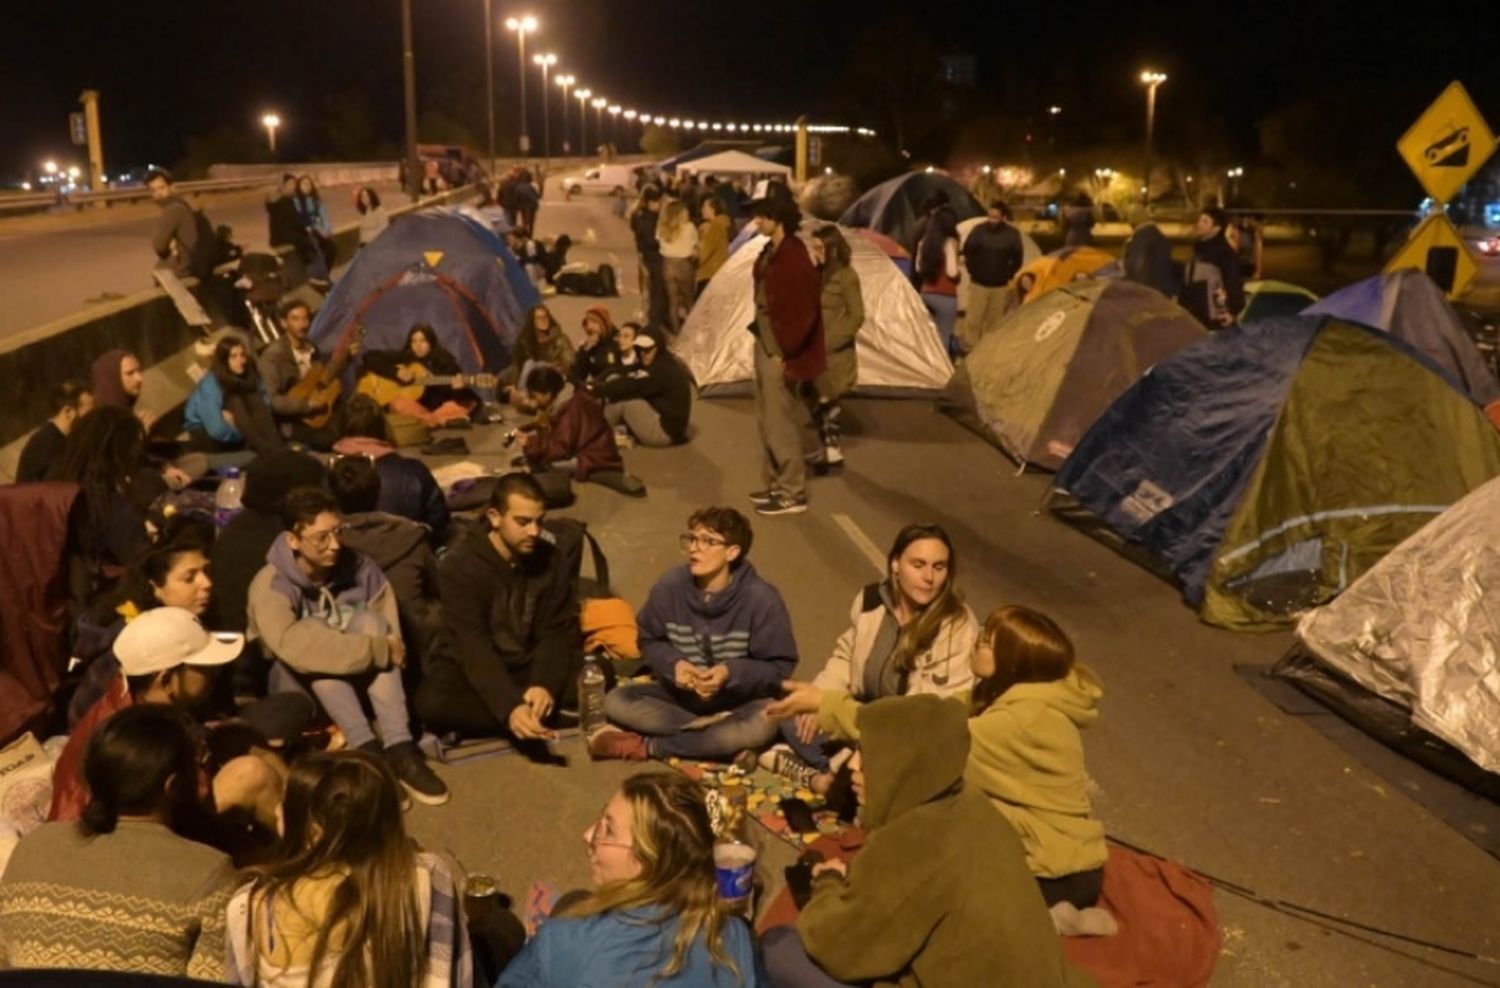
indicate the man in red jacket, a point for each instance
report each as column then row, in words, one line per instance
column 789, row 354
column 570, row 433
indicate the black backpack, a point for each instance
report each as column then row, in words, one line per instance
column 599, row 282
column 572, row 537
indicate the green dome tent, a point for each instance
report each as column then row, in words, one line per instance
column 1037, row 381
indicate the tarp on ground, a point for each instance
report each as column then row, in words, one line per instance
column 1267, row 299
column 1421, row 629
column 733, row 162
column 440, row 266
column 894, row 206
column 1411, row 307
column 1267, row 466
column 898, row 348
column 1060, row 267
column 1039, row 379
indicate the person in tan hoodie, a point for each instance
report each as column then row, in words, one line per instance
column 713, row 242
column 940, row 893
column 1030, row 702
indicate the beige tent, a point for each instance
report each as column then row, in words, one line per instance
column 899, row 349
column 734, row 163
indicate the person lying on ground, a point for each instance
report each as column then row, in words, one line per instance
column 230, row 408
column 69, row 401
column 348, row 899
column 401, row 548
column 655, row 916
column 166, row 657
column 513, row 645
column 119, row 889
column 940, row 893
column 407, row 486
column 330, row 617
column 654, row 405
column 909, row 633
column 599, row 354
column 570, row 434
column 1029, row 702
column 423, row 356
column 718, row 639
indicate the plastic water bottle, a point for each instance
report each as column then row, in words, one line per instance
column 227, row 498
column 591, row 695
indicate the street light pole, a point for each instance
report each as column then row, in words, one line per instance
column 1052, row 112
column 1152, row 80
column 614, row 121
column 566, row 82
column 409, row 81
column 546, row 62
column 598, row 105
column 583, row 120
column 521, row 25
column 489, row 78
column 271, row 121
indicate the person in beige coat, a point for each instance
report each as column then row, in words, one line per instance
column 843, row 315
column 910, row 633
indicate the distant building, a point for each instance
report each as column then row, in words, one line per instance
column 958, row 70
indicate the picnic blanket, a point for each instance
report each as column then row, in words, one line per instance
column 764, row 792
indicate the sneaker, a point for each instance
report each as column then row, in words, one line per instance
column 833, row 456
column 783, row 761
column 611, row 742
column 760, row 498
column 782, row 503
column 416, row 776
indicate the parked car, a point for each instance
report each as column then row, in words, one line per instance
column 1489, row 246
column 604, row 179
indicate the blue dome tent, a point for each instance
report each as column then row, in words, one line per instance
column 443, row 267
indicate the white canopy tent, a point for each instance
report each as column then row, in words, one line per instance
column 734, row 163
column 898, row 348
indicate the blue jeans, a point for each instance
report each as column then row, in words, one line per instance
column 788, row 964
column 651, row 709
column 944, row 309
column 816, row 753
column 341, row 699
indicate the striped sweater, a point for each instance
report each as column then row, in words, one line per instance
column 745, row 626
column 140, row 899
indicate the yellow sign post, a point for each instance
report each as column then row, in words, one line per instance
column 1447, row 144
column 1437, row 249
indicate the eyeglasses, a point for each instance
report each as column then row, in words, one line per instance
column 596, row 834
column 691, row 540
column 321, row 540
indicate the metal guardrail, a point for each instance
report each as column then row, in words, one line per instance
column 140, row 193
column 17, row 201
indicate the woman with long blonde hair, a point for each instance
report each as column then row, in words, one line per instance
column 654, row 918
column 679, row 250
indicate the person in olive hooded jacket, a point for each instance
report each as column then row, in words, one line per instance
column 940, row 893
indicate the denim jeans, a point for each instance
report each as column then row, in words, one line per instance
column 652, row 710
column 341, row 699
column 788, row 964
column 944, row 309
column 816, row 753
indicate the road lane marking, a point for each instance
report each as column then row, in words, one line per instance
column 862, row 542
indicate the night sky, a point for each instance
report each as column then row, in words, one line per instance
column 172, row 69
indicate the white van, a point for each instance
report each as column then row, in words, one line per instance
column 604, row 179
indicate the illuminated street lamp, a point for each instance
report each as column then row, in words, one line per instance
column 583, row 119
column 271, row 121
column 614, row 118
column 522, row 26
column 599, row 103
column 1052, row 114
column 566, row 82
column 546, row 62
column 49, row 166
column 1150, row 80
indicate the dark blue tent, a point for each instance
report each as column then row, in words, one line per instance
column 1267, row 465
column 893, row 207
column 443, row 267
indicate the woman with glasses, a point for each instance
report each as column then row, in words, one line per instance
column 655, row 916
column 909, row 633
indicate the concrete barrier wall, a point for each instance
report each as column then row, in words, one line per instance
column 324, row 173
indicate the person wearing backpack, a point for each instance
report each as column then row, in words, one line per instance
column 513, row 644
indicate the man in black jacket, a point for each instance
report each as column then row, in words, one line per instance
column 992, row 255
column 512, row 641
column 70, row 401
column 648, row 250
column 654, row 403
column 1214, row 288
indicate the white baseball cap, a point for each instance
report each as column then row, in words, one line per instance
column 644, row 342
column 167, row 637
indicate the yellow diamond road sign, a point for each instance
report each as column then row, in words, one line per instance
column 1437, row 249
column 1447, row 144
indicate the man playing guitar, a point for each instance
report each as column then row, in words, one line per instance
column 304, row 387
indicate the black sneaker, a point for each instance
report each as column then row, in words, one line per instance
column 782, row 503
column 416, row 776
column 761, row 498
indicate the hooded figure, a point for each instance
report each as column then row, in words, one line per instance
column 108, row 388
column 940, row 894
column 1148, row 260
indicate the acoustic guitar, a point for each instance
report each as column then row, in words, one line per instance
column 322, row 384
column 384, row 390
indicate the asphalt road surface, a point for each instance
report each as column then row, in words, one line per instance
column 53, row 266
column 1190, row 762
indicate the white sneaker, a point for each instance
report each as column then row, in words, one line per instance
column 833, row 456
column 782, row 760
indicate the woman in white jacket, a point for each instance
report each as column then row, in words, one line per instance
column 909, row 633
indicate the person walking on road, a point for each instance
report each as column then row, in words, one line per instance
column 992, row 254
column 789, row 356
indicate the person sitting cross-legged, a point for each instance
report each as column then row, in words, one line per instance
column 570, row 434
column 330, row 617
column 718, row 639
column 512, row 644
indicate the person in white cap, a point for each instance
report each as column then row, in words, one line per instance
column 655, row 402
